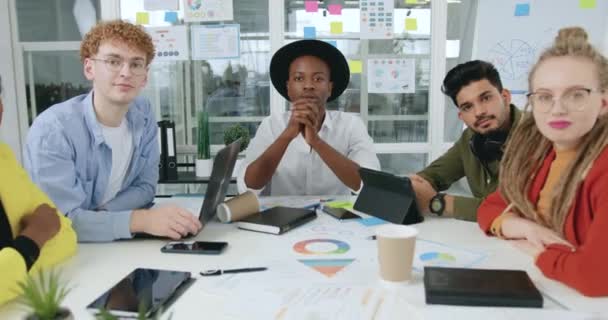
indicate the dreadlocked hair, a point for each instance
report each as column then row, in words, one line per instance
column 527, row 147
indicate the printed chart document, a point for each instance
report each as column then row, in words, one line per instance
column 171, row 43
column 391, row 75
column 377, row 19
column 207, row 10
column 215, row 41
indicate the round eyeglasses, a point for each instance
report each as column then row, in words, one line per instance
column 114, row 65
column 576, row 99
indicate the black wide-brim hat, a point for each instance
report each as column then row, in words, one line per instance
column 282, row 59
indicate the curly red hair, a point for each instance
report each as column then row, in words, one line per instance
column 122, row 31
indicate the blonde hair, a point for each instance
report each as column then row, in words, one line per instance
column 122, row 31
column 527, row 147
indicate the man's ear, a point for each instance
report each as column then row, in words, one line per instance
column 88, row 70
column 331, row 88
column 506, row 95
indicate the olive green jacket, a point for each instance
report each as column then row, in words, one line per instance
column 459, row 161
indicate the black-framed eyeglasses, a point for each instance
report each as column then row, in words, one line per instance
column 114, row 65
column 575, row 99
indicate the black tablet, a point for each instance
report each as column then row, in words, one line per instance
column 148, row 289
column 388, row 197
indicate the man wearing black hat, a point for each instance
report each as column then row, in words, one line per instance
column 308, row 150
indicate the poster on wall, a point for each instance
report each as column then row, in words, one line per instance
column 215, row 41
column 511, row 34
column 207, row 10
column 377, row 17
column 171, row 43
column 391, row 76
column 152, row 5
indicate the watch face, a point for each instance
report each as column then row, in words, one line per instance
column 436, row 205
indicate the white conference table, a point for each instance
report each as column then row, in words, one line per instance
column 96, row 267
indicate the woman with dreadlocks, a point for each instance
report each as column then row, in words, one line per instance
column 552, row 200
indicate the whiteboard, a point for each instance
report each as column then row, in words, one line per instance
column 512, row 40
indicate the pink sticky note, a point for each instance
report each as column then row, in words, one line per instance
column 335, row 9
column 311, row 6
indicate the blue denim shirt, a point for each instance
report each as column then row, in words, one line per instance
column 67, row 157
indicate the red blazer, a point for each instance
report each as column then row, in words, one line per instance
column 586, row 227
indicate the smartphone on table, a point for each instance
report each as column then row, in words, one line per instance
column 195, row 247
column 340, row 213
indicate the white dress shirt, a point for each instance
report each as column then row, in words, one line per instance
column 301, row 170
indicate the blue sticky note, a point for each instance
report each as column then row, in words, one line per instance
column 371, row 221
column 310, row 32
column 171, row 16
column 333, row 43
column 522, row 9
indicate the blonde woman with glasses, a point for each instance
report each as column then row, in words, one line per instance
column 552, row 200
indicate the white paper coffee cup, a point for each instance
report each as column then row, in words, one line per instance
column 396, row 244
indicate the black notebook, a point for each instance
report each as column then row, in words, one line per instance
column 480, row 287
column 277, row 220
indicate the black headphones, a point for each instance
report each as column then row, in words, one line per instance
column 488, row 147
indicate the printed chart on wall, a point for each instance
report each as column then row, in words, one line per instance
column 391, row 76
column 377, row 19
column 207, row 10
column 171, row 43
column 215, row 41
column 512, row 34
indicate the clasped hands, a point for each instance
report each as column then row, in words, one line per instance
column 306, row 119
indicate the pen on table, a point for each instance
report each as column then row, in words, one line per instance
column 371, row 238
column 217, row 272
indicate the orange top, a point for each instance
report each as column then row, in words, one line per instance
column 562, row 159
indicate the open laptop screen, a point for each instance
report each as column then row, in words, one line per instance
column 219, row 181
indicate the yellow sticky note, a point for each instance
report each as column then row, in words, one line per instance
column 587, row 4
column 355, row 66
column 142, row 18
column 411, row 1
column 336, row 27
column 411, row 24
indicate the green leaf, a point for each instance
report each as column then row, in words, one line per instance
column 235, row 132
column 43, row 293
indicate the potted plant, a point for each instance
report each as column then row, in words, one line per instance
column 232, row 134
column 204, row 163
column 43, row 294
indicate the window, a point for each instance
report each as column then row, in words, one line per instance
column 396, row 121
column 49, row 36
column 231, row 90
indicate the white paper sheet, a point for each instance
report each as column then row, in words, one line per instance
column 429, row 253
column 207, row 10
column 215, row 41
column 171, row 43
column 391, row 75
column 377, row 19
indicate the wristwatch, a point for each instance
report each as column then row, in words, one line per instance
column 437, row 204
